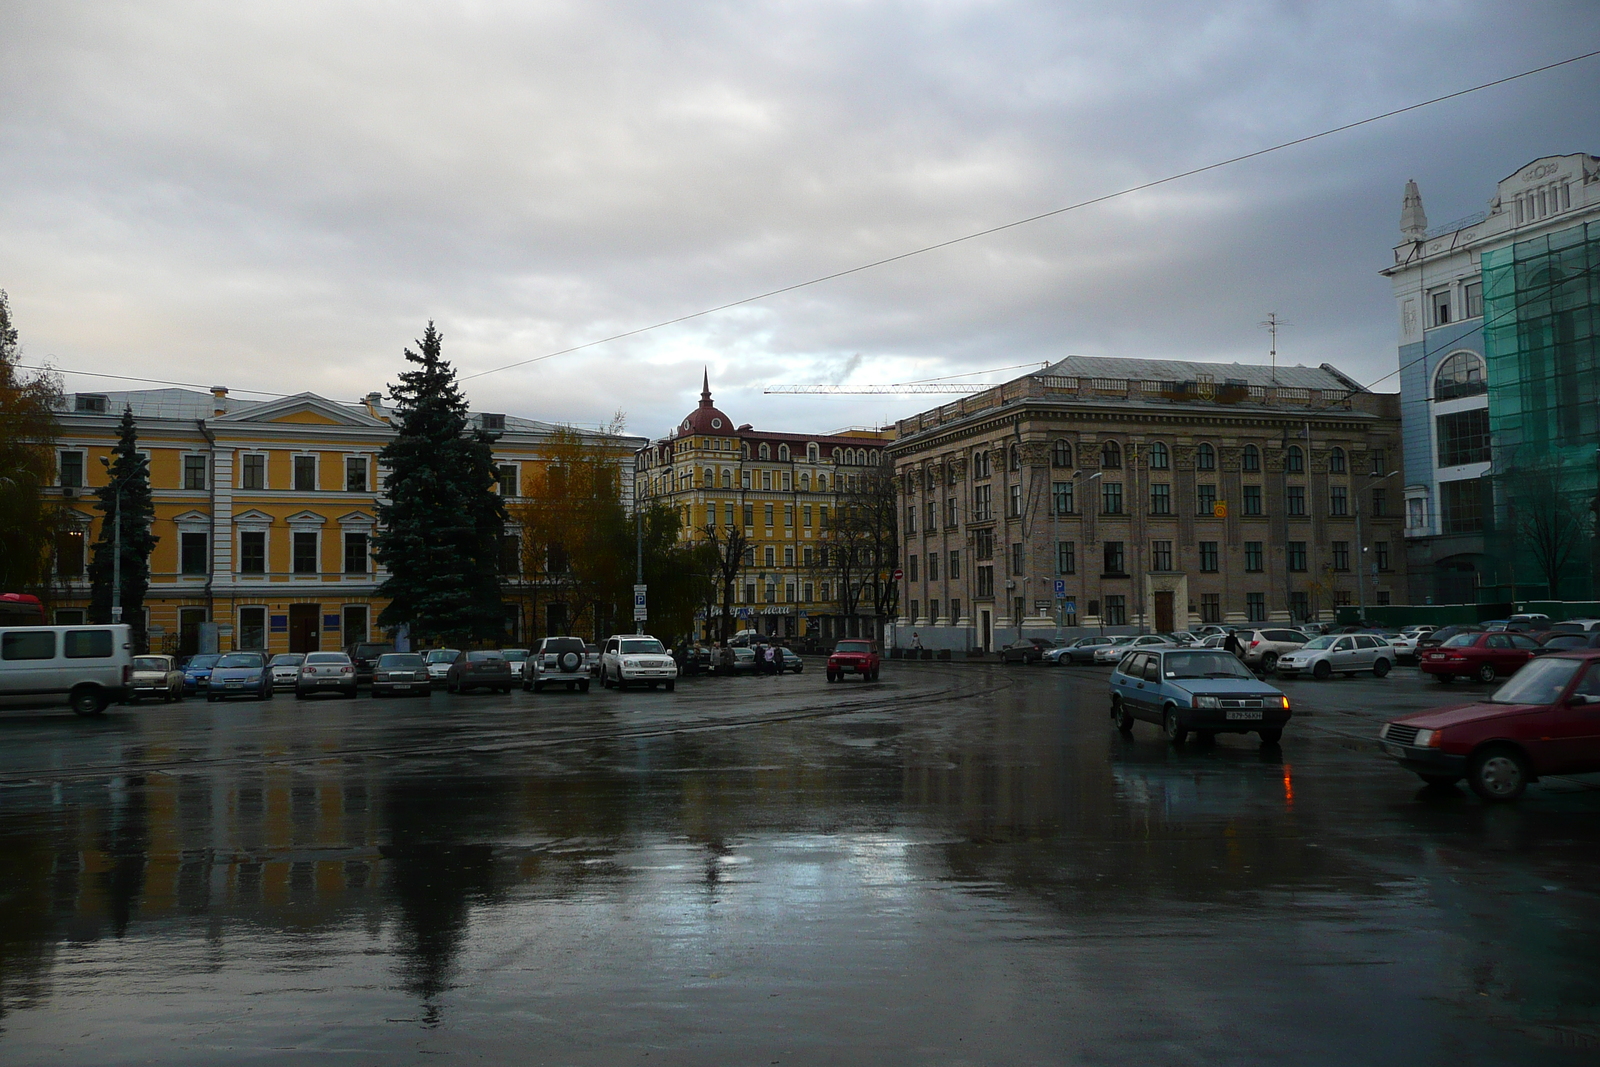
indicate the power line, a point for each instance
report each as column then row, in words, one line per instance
column 149, row 381
column 1035, row 218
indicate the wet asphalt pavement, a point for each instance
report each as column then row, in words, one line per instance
column 960, row 864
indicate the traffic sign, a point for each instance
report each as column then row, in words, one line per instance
column 640, row 611
column 1220, row 509
column 1061, row 587
column 899, row 574
column 1070, row 606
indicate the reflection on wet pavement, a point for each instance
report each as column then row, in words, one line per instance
column 993, row 876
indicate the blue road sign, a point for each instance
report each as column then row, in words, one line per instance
column 1061, row 587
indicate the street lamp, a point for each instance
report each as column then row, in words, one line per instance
column 116, row 550
column 1088, row 511
column 1361, row 544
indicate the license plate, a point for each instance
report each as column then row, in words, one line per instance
column 235, row 685
column 328, row 681
column 1238, row 715
column 403, row 685
column 1436, row 655
column 1393, row 750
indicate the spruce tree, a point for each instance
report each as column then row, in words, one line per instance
column 440, row 531
column 133, row 510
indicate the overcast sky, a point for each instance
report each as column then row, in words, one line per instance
column 278, row 196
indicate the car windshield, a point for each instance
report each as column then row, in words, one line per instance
column 288, row 659
column 1540, row 682
column 443, row 655
column 854, row 646
column 327, row 657
column 516, row 655
column 557, row 645
column 206, row 660
column 641, row 645
column 240, row 659
column 1461, row 641
column 1205, row 665
column 485, row 656
column 399, row 661
column 1319, row 642
column 149, row 663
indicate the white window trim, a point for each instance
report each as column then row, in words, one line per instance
column 183, row 471
column 266, row 622
column 266, row 550
column 316, row 472
column 266, row 470
column 83, row 486
column 366, row 459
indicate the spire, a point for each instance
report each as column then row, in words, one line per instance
column 1413, row 220
column 705, row 389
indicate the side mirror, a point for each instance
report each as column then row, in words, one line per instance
column 1581, row 698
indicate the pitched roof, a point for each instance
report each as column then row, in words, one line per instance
column 1179, row 370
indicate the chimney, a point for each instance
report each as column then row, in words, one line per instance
column 219, row 400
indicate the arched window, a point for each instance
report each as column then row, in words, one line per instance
column 1336, row 463
column 1461, row 374
column 822, row 483
column 745, row 449
column 1016, row 458
column 727, row 478
column 1295, row 460
column 1111, row 456
column 838, row 455
column 710, row 478
column 783, row 453
column 1160, row 458
column 1252, row 458
column 805, row 482
column 1205, row 458
column 766, row 453
column 1060, row 454
column 811, row 452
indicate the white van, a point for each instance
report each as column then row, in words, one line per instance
column 91, row 666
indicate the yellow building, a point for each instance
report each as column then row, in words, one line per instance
column 265, row 511
column 780, row 489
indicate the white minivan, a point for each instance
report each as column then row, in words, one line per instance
column 91, row 666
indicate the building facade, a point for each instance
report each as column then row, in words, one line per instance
column 1473, row 361
column 265, row 513
column 1106, row 495
column 781, row 492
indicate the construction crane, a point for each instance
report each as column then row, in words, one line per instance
column 925, row 385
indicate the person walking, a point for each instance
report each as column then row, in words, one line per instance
column 916, row 640
column 1231, row 644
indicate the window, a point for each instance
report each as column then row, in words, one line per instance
column 1295, row 460
column 980, row 464
column 1113, row 558
column 194, row 472
column 1066, row 557
column 1116, row 610
column 69, row 553
column 933, row 609
column 1061, row 498
column 253, row 474
column 71, row 466
column 950, row 511
column 1416, row 513
column 1380, row 501
column 1250, row 459
column 744, row 479
column 1111, row 456
column 1161, row 499
column 911, row 518
column 1380, row 553
column 955, row 564
column 788, row 516
column 1462, row 505
column 192, row 553
column 1296, row 500
column 88, row 402
column 1016, row 458
column 253, row 552
column 1111, row 498
column 915, row 611
column 1205, row 458
column 986, row 581
column 1472, row 300
column 28, row 644
column 1336, row 463
column 1341, row 555
column 1161, row 555
column 822, row 516
column 1255, row 607
column 86, row 644
column 1382, row 597
column 766, row 513
column 766, row 481
column 783, row 453
column 355, row 553
column 1463, row 437
column 807, row 557
column 305, row 474
column 805, row 515
column 1252, row 500
column 1252, row 556
column 1208, row 557
column 305, row 553
column 930, row 516
column 1061, row 454
column 252, row 628
column 955, row 609
column 1016, row 558
column 933, row 566
column 355, row 476
column 1299, row 607
column 1014, row 502
column 982, row 506
column 1338, row 500
column 1210, row 607
column 1160, row 458
column 750, row 515
column 1440, row 304
column 1378, row 462
column 770, row 555
column 354, row 618
column 491, row 423
column 749, row 592
column 810, row 593
column 1297, row 556
column 765, row 453
column 1205, row 499
column 911, row 568
column 984, row 546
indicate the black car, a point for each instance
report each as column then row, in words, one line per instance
column 1029, row 651
column 364, row 654
column 1443, row 634
column 481, row 669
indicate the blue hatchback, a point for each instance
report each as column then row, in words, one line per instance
column 239, row 674
column 197, row 672
column 1199, row 690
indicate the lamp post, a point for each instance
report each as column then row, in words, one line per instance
column 1361, row 544
column 1088, row 510
column 116, row 550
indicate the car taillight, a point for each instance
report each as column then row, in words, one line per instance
column 309, row 670
column 127, row 673
column 1254, row 641
column 347, row 670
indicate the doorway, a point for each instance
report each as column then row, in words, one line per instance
column 303, row 627
column 1164, row 612
column 189, row 620
column 983, row 630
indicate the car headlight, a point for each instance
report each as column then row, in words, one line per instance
column 1427, row 739
column 630, row 663
column 1205, row 702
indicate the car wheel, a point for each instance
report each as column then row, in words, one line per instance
column 1440, row 781
column 1322, row 671
column 264, row 693
column 1122, row 716
column 1444, row 679
column 1380, row 668
column 1270, row 737
column 1486, row 673
column 212, row 698
column 1173, row 726
column 832, row 677
column 669, row 686
column 299, row 694
column 87, row 700
column 1269, row 662
column 352, row 693
column 1498, row 774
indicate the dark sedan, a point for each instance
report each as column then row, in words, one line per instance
column 400, row 674
column 1030, row 651
column 482, row 669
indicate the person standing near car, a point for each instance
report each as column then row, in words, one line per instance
column 1231, row 644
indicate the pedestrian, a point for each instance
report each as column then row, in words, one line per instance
column 1231, row 644
column 916, row 640
column 772, row 660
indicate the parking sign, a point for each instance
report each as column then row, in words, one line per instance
column 1061, row 587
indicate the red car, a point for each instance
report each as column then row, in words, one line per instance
column 1480, row 656
column 854, row 657
column 1546, row 720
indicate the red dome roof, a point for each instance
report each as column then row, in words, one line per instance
column 706, row 418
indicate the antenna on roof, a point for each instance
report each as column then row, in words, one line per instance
column 1271, row 323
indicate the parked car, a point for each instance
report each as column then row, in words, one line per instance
column 364, row 655
column 1404, row 645
column 439, row 661
column 1576, row 626
column 1529, row 622
column 285, row 668
column 791, row 660
column 240, row 674
column 155, row 676
column 518, row 658
column 557, row 660
column 1566, row 641
column 1110, row 654
column 197, row 671
column 1544, row 720
column 744, row 659
column 90, row 666
column 481, row 668
column 1481, row 656
column 326, row 672
column 400, row 672
column 1262, row 648
column 1435, row 638
column 854, row 656
column 591, row 658
column 1079, row 651
column 1195, row 690
column 1030, row 651
column 1344, row 654
column 636, row 659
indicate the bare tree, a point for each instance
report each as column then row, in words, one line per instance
column 1551, row 521
column 723, row 557
column 861, row 546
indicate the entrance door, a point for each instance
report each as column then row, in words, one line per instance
column 1164, row 612
column 983, row 630
column 303, row 620
column 189, row 620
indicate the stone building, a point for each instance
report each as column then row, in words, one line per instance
column 1158, row 494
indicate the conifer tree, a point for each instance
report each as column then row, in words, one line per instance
column 124, row 501
column 440, row 531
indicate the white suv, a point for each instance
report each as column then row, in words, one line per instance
column 636, row 659
column 557, row 660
